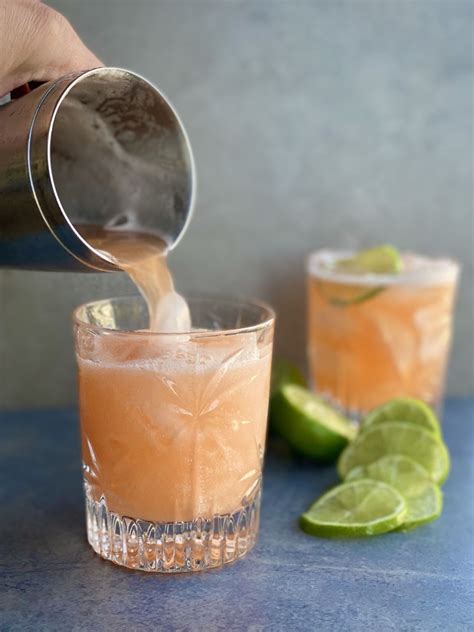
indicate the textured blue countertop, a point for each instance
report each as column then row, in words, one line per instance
column 51, row 580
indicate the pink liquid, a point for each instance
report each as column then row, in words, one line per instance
column 173, row 428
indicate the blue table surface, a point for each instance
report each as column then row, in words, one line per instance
column 51, row 579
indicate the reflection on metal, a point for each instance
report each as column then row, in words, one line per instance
column 100, row 148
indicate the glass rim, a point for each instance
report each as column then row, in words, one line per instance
column 434, row 271
column 269, row 319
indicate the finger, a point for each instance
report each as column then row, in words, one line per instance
column 38, row 44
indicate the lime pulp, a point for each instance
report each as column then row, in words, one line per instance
column 404, row 409
column 357, row 508
column 394, row 437
column 423, row 498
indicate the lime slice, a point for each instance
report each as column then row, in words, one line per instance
column 283, row 373
column 358, row 508
column 411, row 411
column 423, row 498
column 310, row 426
column 379, row 260
column 396, row 437
column 346, row 295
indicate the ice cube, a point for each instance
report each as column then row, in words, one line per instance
column 171, row 315
column 400, row 340
column 433, row 327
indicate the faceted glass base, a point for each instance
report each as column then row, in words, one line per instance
column 171, row 547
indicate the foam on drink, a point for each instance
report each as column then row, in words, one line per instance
column 417, row 270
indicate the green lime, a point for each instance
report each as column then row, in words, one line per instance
column 411, row 411
column 379, row 260
column 283, row 373
column 358, row 508
column 310, row 426
column 397, row 437
column 423, row 498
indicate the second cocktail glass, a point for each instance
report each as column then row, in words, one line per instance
column 375, row 337
column 173, row 431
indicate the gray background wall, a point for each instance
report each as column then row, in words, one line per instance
column 313, row 123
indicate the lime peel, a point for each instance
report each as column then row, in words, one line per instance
column 311, row 427
column 284, row 372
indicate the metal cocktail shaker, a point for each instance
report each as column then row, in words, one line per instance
column 98, row 148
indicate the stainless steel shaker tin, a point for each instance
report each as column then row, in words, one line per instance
column 103, row 148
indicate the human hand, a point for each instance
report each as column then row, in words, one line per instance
column 38, row 44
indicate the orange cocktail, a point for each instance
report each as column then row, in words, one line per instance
column 173, row 432
column 373, row 337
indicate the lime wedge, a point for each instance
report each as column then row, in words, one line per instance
column 379, row 260
column 283, row 373
column 358, row 508
column 423, row 498
column 396, row 437
column 411, row 411
column 310, row 426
